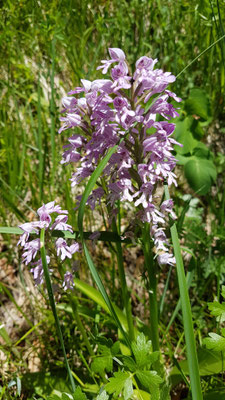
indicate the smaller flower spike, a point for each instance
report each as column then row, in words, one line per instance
column 32, row 247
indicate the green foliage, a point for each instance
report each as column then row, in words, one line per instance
column 77, row 395
column 102, row 396
column 200, row 174
column 215, row 341
column 122, row 381
column 104, row 362
column 199, row 168
column 198, row 104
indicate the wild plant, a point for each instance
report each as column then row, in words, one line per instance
column 123, row 143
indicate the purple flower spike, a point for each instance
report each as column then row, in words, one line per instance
column 106, row 110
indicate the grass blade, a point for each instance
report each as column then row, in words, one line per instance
column 104, row 236
column 40, row 146
column 187, row 315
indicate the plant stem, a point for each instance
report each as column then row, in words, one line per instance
column 125, row 293
column 53, row 306
column 151, row 269
column 187, row 315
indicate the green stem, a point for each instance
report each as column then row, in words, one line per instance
column 187, row 315
column 52, row 303
column 123, row 283
column 151, row 269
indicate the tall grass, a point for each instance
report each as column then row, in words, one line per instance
column 56, row 44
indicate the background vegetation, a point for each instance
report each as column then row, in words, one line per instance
column 46, row 48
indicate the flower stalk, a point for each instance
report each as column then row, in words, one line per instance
column 150, row 266
column 53, row 306
column 123, row 283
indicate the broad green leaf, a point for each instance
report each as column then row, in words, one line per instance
column 141, row 395
column 223, row 291
column 200, row 174
column 210, row 363
column 151, row 381
column 215, row 342
column 47, row 382
column 217, row 394
column 202, row 151
column 142, row 351
column 54, row 397
column 218, row 310
column 129, row 363
column 93, row 294
column 79, row 395
column 117, row 382
column 196, row 129
column 182, row 160
column 148, row 378
column 102, row 363
column 184, row 136
column 198, row 104
column 128, row 389
column 102, row 396
column 66, row 396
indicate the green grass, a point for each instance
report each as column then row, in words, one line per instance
column 45, row 49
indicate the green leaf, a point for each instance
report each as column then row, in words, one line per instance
column 79, row 395
column 102, row 396
column 54, row 397
column 129, row 363
column 218, row 394
column 66, row 396
column 223, row 291
column 210, row 363
column 184, row 136
column 47, row 382
column 218, row 310
column 128, row 389
column 142, row 351
column 141, row 395
column 93, row 294
column 198, row 104
column 101, row 364
column 117, row 382
column 196, row 129
column 202, row 151
column 200, row 174
column 215, row 342
column 149, row 377
column 151, row 381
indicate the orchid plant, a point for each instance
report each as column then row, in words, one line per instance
column 128, row 113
